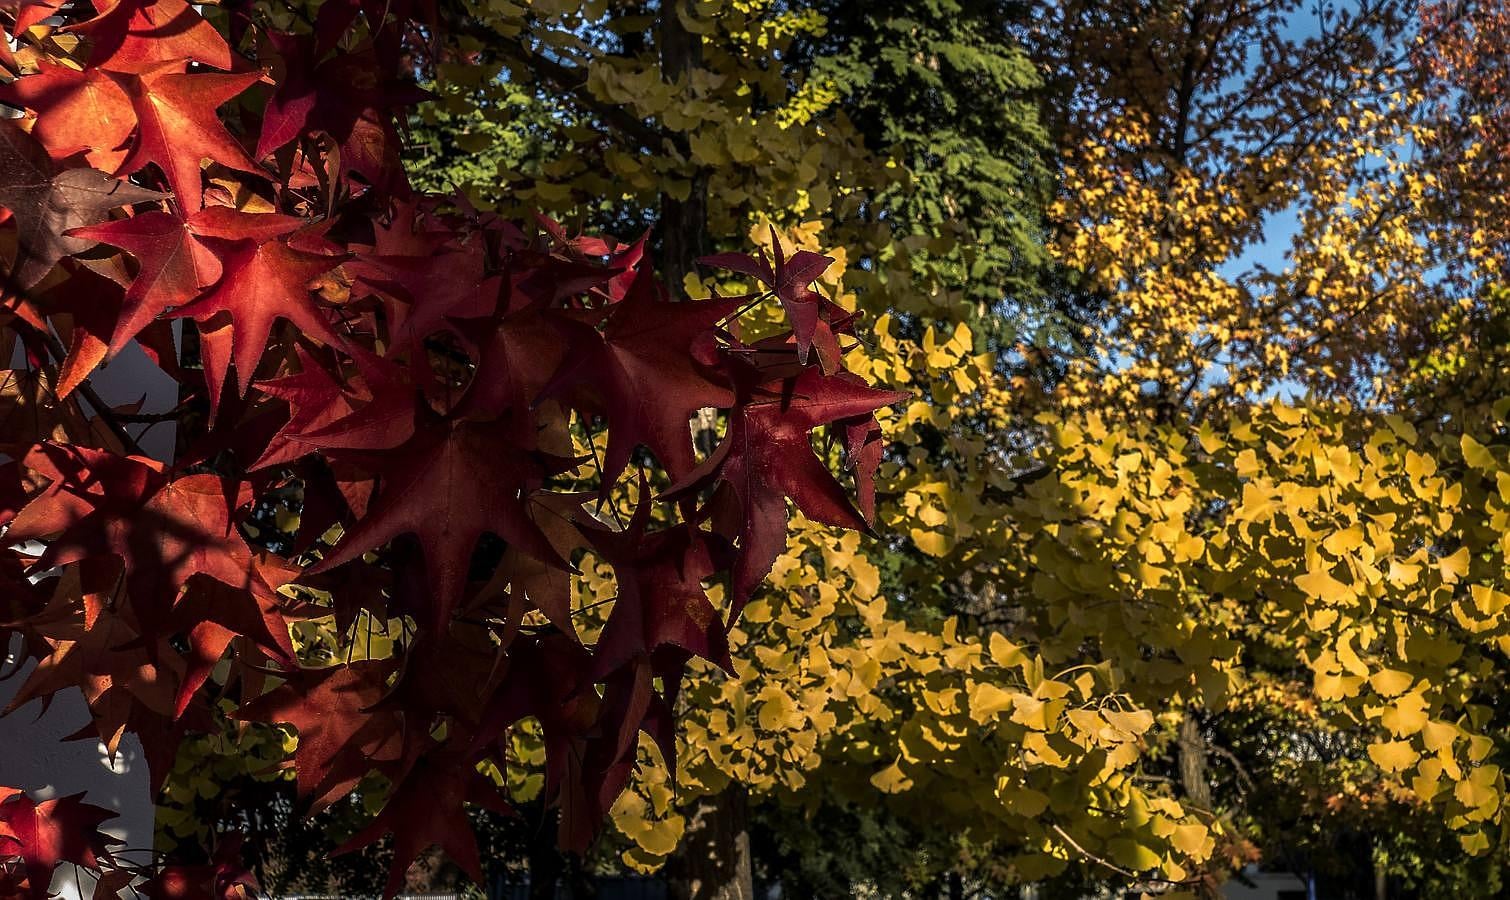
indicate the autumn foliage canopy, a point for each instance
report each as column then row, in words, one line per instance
column 443, row 399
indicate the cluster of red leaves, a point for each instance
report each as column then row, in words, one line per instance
column 36, row 838
column 421, row 374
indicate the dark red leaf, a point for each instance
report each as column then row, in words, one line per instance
column 767, row 457
column 46, row 204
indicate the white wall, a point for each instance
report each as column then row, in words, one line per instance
column 1266, row 886
column 33, row 756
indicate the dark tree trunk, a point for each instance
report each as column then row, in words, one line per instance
column 546, row 861
column 713, row 860
column 579, row 880
column 684, row 222
column 682, row 235
column 1193, row 774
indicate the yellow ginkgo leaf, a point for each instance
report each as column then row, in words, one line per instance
column 1393, row 756
column 1477, row 455
column 892, row 779
column 1190, row 839
column 1391, row 682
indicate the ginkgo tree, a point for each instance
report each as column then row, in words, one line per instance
column 451, row 406
column 1082, row 564
column 1333, row 547
column 866, row 693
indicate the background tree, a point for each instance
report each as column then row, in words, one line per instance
column 1187, row 151
column 899, row 265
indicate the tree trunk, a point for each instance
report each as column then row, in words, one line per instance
column 1193, row 775
column 580, row 884
column 684, row 221
column 682, row 235
column 713, row 860
column 546, row 861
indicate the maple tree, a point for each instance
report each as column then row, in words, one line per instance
column 448, row 403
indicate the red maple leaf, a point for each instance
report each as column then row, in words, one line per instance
column 429, row 292
column 83, row 308
column 427, row 808
column 767, row 456
column 177, row 126
column 176, row 263
column 110, row 666
column 174, row 267
column 447, row 676
column 815, row 320
column 642, row 372
column 452, row 482
column 262, row 281
column 52, row 832
column 163, row 530
column 548, row 680
column 27, row 13
column 132, row 35
column 341, row 733
column 213, row 614
column 75, row 111
column 528, row 583
column 315, row 400
column 346, row 95
column 661, row 601
column 517, row 353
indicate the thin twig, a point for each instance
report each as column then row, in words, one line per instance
column 1245, row 781
column 101, row 408
column 154, row 418
column 1075, row 845
column 1108, row 864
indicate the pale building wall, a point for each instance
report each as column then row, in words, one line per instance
column 1267, row 886
column 33, row 756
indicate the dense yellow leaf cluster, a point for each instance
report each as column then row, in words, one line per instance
column 1371, row 552
column 979, row 735
column 1193, row 315
column 1142, row 564
column 1297, row 228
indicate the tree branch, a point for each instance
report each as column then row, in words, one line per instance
column 102, row 409
column 572, row 81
